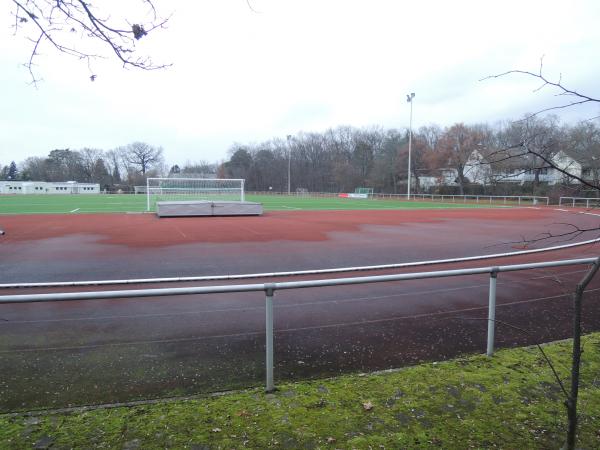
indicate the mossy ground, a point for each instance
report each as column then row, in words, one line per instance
column 508, row 401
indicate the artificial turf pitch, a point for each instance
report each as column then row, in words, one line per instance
column 115, row 203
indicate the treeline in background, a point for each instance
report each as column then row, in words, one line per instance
column 338, row 160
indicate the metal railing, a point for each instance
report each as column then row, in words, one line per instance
column 270, row 288
column 489, row 199
column 579, row 201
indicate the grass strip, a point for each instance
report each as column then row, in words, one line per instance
column 508, row 401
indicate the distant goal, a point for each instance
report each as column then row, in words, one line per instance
column 364, row 190
column 211, row 189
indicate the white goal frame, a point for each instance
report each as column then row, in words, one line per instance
column 229, row 189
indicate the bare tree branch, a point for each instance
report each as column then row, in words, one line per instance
column 51, row 20
column 581, row 98
column 251, row 8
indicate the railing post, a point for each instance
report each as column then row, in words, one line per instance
column 492, row 312
column 269, row 291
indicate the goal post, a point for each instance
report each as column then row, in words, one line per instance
column 364, row 190
column 215, row 189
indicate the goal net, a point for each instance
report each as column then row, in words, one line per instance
column 171, row 189
column 364, row 190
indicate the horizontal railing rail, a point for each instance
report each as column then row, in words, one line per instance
column 579, row 201
column 270, row 288
column 453, row 198
column 293, row 273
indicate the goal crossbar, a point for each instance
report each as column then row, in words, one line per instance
column 215, row 189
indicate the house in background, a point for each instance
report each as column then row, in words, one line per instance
column 529, row 169
column 476, row 170
column 484, row 170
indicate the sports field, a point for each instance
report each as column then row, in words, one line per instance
column 107, row 203
column 57, row 354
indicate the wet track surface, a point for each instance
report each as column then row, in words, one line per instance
column 62, row 354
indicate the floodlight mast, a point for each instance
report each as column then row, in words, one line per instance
column 409, row 99
column 289, row 149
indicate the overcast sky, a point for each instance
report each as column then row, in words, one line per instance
column 298, row 65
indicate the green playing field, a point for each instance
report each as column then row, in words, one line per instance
column 110, row 203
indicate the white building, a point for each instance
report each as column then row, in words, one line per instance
column 518, row 171
column 477, row 169
column 43, row 187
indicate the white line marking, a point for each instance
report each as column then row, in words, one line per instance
column 289, row 207
column 577, row 212
column 75, row 210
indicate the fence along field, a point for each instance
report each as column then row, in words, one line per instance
column 132, row 203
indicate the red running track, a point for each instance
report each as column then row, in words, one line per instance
column 108, row 246
column 61, row 354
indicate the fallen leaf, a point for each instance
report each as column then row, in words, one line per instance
column 368, row 406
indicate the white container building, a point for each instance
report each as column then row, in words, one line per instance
column 44, row 187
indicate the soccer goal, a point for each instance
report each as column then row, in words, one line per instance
column 215, row 189
column 364, row 190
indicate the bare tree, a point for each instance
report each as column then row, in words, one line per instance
column 575, row 99
column 584, row 139
column 389, row 167
column 34, row 168
column 79, row 28
column 456, row 146
column 88, row 160
column 114, row 162
column 143, row 157
column 525, row 145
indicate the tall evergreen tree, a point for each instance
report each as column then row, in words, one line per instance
column 12, row 171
